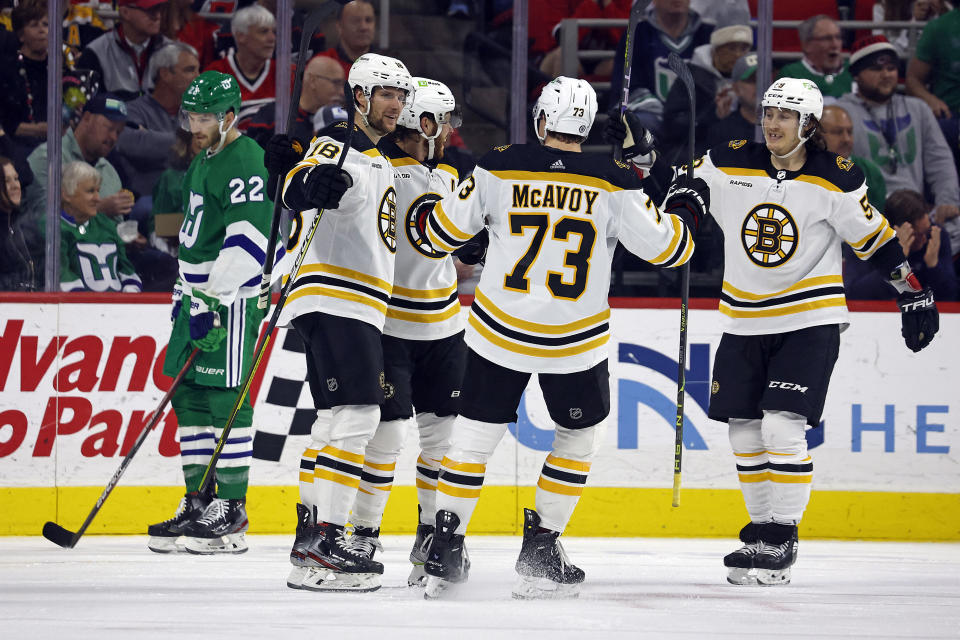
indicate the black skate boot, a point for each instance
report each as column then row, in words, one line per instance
column 164, row 535
column 339, row 562
column 220, row 529
column 777, row 553
column 306, row 522
column 418, row 555
column 543, row 567
column 739, row 564
column 447, row 560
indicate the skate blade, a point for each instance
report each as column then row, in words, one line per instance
column 534, row 588
column 773, row 577
column 741, row 576
column 328, row 580
column 296, row 576
column 417, row 577
column 159, row 544
column 230, row 543
column 434, row 587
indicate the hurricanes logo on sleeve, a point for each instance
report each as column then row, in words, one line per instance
column 387, row 219
column 769, row 235
column 419, row 210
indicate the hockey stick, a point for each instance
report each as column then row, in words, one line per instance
column 67, row 539
column 679, row 67
column 310, row 26
column 284, row 294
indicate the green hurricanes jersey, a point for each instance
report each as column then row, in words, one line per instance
column 92, row 257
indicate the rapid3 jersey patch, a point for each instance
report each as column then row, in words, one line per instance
column 387, row 219
column 415, row 220
column 769, row 235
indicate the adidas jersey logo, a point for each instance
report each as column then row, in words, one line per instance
column 557, row 166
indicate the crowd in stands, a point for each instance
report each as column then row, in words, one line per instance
column 892, row 96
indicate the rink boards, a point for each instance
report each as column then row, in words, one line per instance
column 80, row 374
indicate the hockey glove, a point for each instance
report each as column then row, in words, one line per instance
column 177, row 299
column 325, row 184
column 475, row 249
column 279, row 157
column 625, row 130
column 205, row 331
column 689, row 199
column 919, row 318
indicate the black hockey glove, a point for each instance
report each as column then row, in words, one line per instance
column 325, row 185
column 280, row 155
column 626, row 131
column 919, row 318
column 689, row 199
column 475, row 249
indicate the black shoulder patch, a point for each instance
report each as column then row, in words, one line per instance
column 338, row 131
column 742, row 154
column 842, row 173
column 390, row 149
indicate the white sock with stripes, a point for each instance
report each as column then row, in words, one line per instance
column 340, row 461
column 564, row 474
column 791, row 468
column 434, row 442
column 461, row 472
column 746, row 440
column 376, row 480
column 319, row 433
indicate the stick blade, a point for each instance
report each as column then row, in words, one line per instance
column 58, row 535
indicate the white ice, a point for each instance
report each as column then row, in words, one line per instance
column 112, row 587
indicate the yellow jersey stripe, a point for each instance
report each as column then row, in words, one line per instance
column 425, row 294
column 749, row 455
column 449, row 169
column 452, row 230
column 739, row 171
column 310, row 453
column 834, row 301
column 346, row 456
column 549, row 176
column 573, row 465
column 677, row 235
column 319, row 267
column 457, row 492
column 536, row 327
column 409, row 316
column 372, row 153
column 306, row 476
column 536, row 352
column 784, row 479
column 437, row 242
column 817, row 281
column 390, row 466
column 756, row 477
column 423, row 484
column 562, row 489
column 820, row 182
column 336, row 293
column 348, row 481
column 469, row 467
column 886, row 233
column 403, row 162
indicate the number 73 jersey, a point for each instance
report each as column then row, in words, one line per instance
column 554, row 218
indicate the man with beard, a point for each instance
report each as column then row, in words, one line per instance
column 822, row 60
column 338, row 306
column 900, row 133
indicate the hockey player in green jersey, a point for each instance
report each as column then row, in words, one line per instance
column 222, row 245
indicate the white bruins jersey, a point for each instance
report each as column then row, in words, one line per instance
column 348, row 268
column 424, row 303
column 554, row 218
column 782, row 233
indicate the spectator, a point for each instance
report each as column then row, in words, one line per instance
column 182, row 23
column 168, row 192
column 710, row 68
column 669, row 26
column 919, row 11
column 937, row 63
column 722, row 13
column 926, row 247
column 23, row 78
column 591, row 38
column 323, row 80
column 121, row 56
column 837, row 130
column 92, row 257
column 153, row 119
column 255, row 31
column 356, row 28
column 17, row 269
column 94, row 136
column 900, row 133
column 737, row 113
column 81, row 26
column 822, row 57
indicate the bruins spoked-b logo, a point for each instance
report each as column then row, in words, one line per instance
column 769, row 235
column 414, row 221
column 387, row 219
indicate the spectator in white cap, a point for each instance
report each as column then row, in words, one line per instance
column 711, row 67
column 822, row 60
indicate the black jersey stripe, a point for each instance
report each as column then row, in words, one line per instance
column 865, row 247
column 427, row 472
column 369, row 478
column 346, row 284
column 792, row 468
column 339, row 465
column 564, row 476
column 451, row 477
column 421, row 305
column 793, row 297
column 442, row 234
column 535, row 339
column 681, row 247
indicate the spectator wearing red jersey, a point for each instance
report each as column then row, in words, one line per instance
column 356, row 28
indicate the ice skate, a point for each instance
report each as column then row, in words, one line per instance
column 447, row 561
column 418, row 555
column 220, row 529
column 543, row 569
column 338, row 562
column 739, row 564
column 165, row 537
column 777, row 554
column 306, row 521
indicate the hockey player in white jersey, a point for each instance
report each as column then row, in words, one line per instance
column 554, row 216
column 785, row 206
column 423, row 346
column 338, row 305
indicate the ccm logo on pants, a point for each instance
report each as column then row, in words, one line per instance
column 789, row 386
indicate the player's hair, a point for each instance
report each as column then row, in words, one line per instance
column 567, row 138
column 75, row 173
column 26, row 12
column 254, row 15
column 816, row 141
column 805, row 30
column 167, row 57
column 344, row 4
column 904, row 205
column 5, row 203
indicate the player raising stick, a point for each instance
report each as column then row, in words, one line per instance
column 554, row 216
column 784, row 207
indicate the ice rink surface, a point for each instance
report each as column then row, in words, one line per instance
column 113, row 587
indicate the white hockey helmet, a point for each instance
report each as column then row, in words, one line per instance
column 802, row 96
column 569, row 106
column 432, row 98
column 372, row 70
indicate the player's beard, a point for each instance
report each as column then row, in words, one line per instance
column 381, row 125
column 214, row 140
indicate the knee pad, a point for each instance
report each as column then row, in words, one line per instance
column 746, row 435
column 320, row 430
column 388, row 440
column 579, row 444
column 435, row 433
column 354, row 424
column 783, row 435
column 474, row 441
